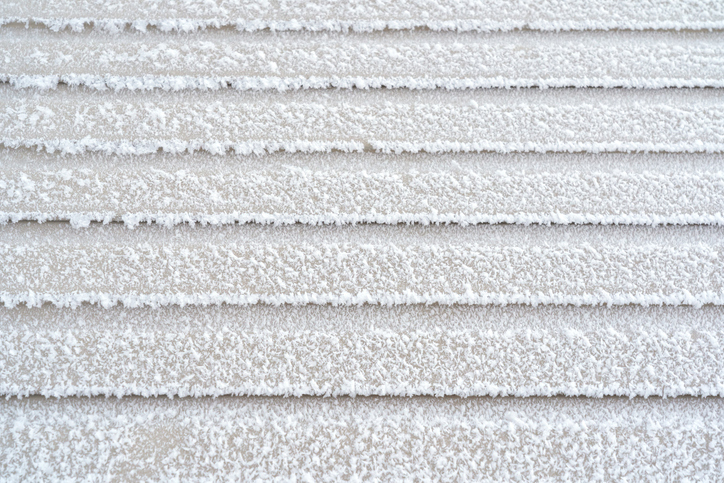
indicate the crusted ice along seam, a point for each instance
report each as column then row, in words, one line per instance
column 420, row 59
column 369, row 60
column 84, row 219
column 655, row 166
column 176, row 146
column 354, row 389
column 179, row 83
column 33, row 299
column 115, row 25
column 529, row 322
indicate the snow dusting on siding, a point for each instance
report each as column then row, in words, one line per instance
column 433, row 240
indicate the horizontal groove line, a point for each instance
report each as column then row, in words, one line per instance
column 82, row 219
column 183, row 83
column 116, row 25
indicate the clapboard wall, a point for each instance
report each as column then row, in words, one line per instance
column 322, row 241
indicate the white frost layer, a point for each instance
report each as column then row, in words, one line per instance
column 365, row 15
column 418, row 59
column 362, row 350
column 75, row 120
column 385, row 439
column 242, row 264
column 363, row 188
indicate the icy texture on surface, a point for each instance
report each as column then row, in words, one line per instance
column 419, row 60
column 332, row 198
column 387, row 120
column 241, row 264
column 345, row 188
column 189, row 15
column 425, row 439
column 362, row 350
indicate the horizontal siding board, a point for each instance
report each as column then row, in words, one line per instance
column 186, row 265
column 418, row 59
column 367, row 15
column 321, row 350
column 562, row 120
column 342, row 188
column 562, row 439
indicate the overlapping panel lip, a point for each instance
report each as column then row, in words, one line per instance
column 385, row 120
column 367, row 15
column 417, row 60
column 242, row 264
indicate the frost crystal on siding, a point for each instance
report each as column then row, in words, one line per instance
column 418, row 60
column 367, row 15
column 386, row 120
column 560, row 439
column 498, row 264
column 348, row 188
column 486, row 201
column 402, row 350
